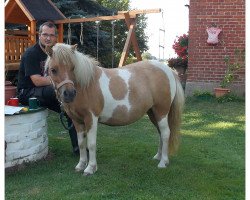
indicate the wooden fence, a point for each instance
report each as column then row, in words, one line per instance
column 15, row 46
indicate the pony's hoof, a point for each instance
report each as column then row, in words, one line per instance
column 78, row 170
column 90, row 170
column 80, row 167
column 86, row 174
column 162, row 164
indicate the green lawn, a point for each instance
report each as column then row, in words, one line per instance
column 210, row 163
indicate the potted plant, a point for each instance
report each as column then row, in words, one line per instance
column 232, row 66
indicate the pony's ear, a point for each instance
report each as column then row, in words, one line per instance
column 74, row 47
column 49, row 51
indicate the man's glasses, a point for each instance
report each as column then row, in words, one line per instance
column 45, row 35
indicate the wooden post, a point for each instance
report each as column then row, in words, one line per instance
column 131, row 24
column 126, row 46
column 32, row 32
column 133, row 36
column 60, row 33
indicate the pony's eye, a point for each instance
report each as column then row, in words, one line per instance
column 53, row 71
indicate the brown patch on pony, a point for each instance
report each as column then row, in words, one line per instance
column 161, row 109
column 87, row 101
column 156, row 95
column 82, row 118
column 118, row 88
column 95, row 98
column 119, row 113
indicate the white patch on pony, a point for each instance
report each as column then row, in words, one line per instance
column 169, row 72
column 66, row 76
column 124, row 74
column 91, row 144
column 82, row 143
column 109, row 102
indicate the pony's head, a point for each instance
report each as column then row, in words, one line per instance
column 67, row 68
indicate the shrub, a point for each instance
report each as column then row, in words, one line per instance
column 178, row 62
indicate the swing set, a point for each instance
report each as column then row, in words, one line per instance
column 97, row 38
column 16, row 41
column 130, row 19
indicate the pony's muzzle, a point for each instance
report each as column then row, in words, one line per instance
column 69, row 95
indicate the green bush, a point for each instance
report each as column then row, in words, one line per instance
column 204, row 95
column 230, row 98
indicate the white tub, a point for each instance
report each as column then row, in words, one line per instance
column 26, row 137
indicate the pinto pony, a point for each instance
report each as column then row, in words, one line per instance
column 91, row 94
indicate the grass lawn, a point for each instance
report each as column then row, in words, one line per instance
column 210, row 163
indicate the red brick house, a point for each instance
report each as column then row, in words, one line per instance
column 206, row 65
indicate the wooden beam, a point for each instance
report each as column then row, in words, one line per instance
column 60, row 33
column 33, row 32
column 127, row 45
column 137, row 12
column 133, row 36
column 91, row 19
column 58, row 11
column 16, row 32
column 120, row 15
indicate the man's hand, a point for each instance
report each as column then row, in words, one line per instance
column 39, row 80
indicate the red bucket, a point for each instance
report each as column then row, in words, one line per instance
column 10, row 91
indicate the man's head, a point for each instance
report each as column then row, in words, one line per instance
column 47, row 34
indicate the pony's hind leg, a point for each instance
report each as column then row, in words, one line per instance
column 164, row 137
column 154, row 121
column 159, row 152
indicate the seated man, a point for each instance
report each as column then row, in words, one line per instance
column 31, row 79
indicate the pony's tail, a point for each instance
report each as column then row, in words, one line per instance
column 174, row 117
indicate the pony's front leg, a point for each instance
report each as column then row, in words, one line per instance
column 82, row 143
column 91, row 143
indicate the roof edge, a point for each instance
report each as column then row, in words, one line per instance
column 56, row 9
column 25, row 10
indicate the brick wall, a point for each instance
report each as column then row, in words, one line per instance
column 206, row 65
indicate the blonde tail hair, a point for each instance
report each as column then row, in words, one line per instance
column 174, row 116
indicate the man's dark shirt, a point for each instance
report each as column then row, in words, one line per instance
column 32, row 63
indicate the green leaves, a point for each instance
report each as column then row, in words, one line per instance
column 233, row 65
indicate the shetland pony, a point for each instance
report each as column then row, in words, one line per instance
column 91, row 94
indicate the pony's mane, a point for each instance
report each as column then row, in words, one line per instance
column 83, row 64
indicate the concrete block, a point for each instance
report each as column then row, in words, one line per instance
column 26, row 137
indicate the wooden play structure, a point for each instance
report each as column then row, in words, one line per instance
column 29, row 12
